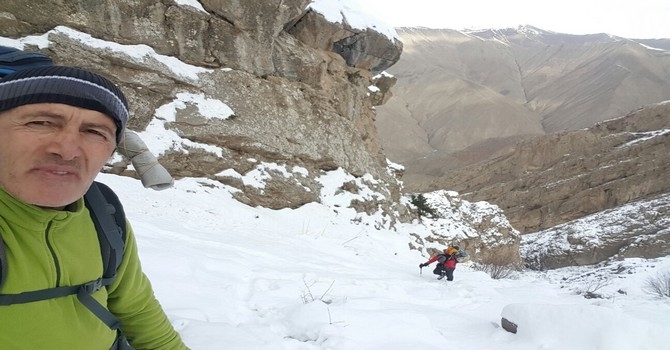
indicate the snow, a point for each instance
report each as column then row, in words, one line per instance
column 352, row 13
column 591, row 320
column 160, row 140
column 322, row 276
column 194, row 4
column 645, row 136
column 236, row 277
column 137, row 53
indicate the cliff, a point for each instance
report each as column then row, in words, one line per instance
column 297, row 90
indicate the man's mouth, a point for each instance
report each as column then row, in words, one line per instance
column 58, row 170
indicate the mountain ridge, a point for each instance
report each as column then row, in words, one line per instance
column 459, row 88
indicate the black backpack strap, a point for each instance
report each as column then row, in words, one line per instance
column 36, row 295
column 110, row 223
column 121, row 342
column 84, row 294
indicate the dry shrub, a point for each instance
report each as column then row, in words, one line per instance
column 499, row 266
column 658, row 285
column 590, row 291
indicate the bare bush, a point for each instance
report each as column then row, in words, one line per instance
column 499, row 266
column 590, row 291
column 308, row 297
column 658, row 285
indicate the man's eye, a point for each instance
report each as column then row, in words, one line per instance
column 98, row 133
column 40, row 123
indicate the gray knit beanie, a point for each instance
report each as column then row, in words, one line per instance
column 68, row 85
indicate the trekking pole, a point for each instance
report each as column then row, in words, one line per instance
column 420, row 271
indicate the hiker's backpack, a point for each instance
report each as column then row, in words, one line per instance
column 462, row 256
column 12, row 59
column 107, row 214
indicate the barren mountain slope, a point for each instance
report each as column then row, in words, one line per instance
column 458, row 90
column 551, row 179
column 448, row 83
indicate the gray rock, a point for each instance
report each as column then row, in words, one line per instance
column 508, row 325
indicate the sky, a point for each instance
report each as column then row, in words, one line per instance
column 323, row 277
column 630, row 19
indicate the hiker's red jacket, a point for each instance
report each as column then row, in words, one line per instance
column 449, row 263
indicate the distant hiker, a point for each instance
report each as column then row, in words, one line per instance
column 446, row 262
column 70, row 274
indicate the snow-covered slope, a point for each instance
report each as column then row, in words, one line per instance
column 236, row 277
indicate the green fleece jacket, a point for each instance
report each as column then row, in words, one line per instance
column 51, row 248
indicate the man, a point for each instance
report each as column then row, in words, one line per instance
column 446, row 262
column 58, row 127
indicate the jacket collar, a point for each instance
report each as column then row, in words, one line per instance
column 32, row 217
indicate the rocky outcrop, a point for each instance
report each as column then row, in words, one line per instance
column 553, row 179
column 294, row 101
column 240, row 35
column 481, row 229
column 361, row 48
column 636, row 230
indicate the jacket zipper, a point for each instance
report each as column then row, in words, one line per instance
column 53, row 254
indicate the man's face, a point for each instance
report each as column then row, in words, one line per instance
column 50, row 153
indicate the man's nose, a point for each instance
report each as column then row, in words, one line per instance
column 67, row 143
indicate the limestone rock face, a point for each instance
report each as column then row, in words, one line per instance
column 365, row 49
column 300, row 96
column 381, row 91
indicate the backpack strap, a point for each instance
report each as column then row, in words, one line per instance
column 110, row 224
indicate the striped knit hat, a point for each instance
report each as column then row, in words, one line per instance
column 68, row 85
